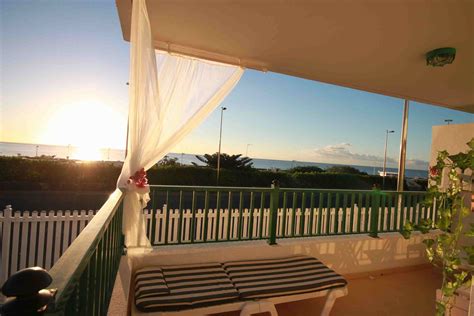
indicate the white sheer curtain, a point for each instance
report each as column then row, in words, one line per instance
column 169, row 96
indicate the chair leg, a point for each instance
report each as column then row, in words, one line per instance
column 250, row 309
column 268, row 307
column 258, row 307
column 331, row 298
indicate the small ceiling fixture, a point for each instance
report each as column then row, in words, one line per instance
column 440, row 56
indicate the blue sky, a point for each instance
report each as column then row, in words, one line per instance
column 65, row 67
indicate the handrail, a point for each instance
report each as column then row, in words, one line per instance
column 209, row 188
column 68, row 270
column 267, row 189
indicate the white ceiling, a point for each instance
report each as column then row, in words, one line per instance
column 372, row 45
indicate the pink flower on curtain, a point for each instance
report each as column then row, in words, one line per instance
column 434, row 171
column 139, row 178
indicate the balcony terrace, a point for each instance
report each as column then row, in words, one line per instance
column 333, row 229
column 358, row 44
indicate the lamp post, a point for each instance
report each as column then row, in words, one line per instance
column 220, row 142
column 385, row 158
column 247, row 150
column 448, row 121
column 403, row 150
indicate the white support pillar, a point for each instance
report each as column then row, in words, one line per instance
column 403, row 148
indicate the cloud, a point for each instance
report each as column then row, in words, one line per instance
column 417, row 164
column 342, row 154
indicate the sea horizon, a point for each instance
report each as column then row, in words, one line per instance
column 112, row 154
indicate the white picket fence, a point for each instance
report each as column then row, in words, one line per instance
column 40, row 238
column 163, row 224
column 37, row 238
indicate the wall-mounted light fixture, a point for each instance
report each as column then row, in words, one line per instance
column 440, row 56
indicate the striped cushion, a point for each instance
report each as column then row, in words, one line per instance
column 150, row 282
column 281, row 277
column 190, row 286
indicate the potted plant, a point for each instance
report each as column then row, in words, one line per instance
column 455, row 259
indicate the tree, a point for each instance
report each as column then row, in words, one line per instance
column 227, row 161
column 168, row 161
column 345, row 169
column 306, row 169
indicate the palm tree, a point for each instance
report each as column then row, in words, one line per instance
column 227, row 161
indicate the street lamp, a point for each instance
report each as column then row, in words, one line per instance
column 220, row 142
column 385, row 158
column 448, row 121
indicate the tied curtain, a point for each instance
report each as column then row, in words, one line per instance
column 169, row 96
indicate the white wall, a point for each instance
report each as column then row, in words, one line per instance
column 453, row 139
column 346, row 254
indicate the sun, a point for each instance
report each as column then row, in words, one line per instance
column 87, row 153
column 88, row 125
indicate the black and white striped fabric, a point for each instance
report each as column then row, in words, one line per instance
column 150, row 282
column 189, row 286
column 280, row 277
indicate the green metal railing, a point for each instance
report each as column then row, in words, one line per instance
column 84, row 276
column 188, row 214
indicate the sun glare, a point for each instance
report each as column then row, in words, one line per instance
column 88, row 125
column 87, row 153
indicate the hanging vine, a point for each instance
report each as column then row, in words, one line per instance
column 445, row 250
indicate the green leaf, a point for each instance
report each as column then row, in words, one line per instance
column 469, row 250
column 425, row 225
column 461, row 161
column 407, row 230
column 430, row 254
column 470, row 259
column 444, row 222
column 448, row 289
column 440, row 308
column 406, row 234
column 460, row 277
column 470, row 232
column 429, row 242
column 471, row 143
column 464, row 211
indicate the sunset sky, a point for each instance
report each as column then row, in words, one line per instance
column 64, row 68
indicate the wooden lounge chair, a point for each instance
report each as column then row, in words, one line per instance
column 252, row 286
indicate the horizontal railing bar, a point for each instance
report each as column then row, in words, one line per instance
column 67, row 271
column 349, row 191
column 199, row 242
column 207, row 188
column 264, row 189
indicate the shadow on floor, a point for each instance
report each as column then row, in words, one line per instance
column 399, row 294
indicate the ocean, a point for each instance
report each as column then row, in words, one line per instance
column 110, row 154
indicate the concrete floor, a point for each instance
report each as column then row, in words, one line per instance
column 409, row 293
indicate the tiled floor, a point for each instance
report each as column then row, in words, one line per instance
column 409, row 293
column 404, row 293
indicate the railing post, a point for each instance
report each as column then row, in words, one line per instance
column 374, row 213
column 274, row 197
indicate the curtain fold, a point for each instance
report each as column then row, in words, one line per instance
column 169, row 97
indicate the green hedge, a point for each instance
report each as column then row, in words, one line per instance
column 47, row 174
column 27, row 174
